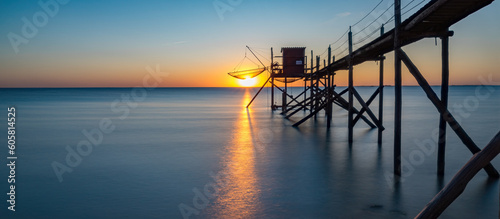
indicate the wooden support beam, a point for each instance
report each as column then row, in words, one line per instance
column 445, row 75
column 363, row 110
column 257, row 94
column 283, row 98
column 343, row 92
column 318, row 79
column 367, row 109
column 311, row 80
column 313, row 113
column 381, row 91
column 457, row 185
column 350, row 124
column 322, row 82
column 296, row 111
column 305, row 90
column 295, row 99
column 447, row 116
column 345, row 105
column 329, row 108
column 272, row 80
column 398, row 105
column 283, row 91
column 302, row 104
column 340, row 102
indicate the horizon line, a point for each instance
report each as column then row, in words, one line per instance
column 463, row 85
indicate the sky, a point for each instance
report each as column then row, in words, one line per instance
column 71, row 43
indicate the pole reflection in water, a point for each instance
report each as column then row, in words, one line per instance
column 238, row 197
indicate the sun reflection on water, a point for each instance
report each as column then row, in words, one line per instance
column 238, row 198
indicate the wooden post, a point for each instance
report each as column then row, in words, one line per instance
column 381, row 92
column 333, row 75
column 316, row 104
column 397, row 89
column 351, row 87
column 329, row 88
column 326, row 77
column 285, row 92
column 444, row 99
column 305, row 94
column 305, row 84
column 311, row 84
column 272, row 80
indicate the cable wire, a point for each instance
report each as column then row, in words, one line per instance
column 368, row 13
column 374, row 20
column 336, row 41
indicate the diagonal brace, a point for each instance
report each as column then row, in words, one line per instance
column 455, row 126
column 370, row 100
column 367, row 109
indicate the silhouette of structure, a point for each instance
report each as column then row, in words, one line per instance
column 431, row 21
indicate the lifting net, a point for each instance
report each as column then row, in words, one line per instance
column 245, row 74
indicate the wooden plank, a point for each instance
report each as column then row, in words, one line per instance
column 459, row 182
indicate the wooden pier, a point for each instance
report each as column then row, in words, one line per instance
column 432, row 21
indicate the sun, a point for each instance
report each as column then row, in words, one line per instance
column 249, row 82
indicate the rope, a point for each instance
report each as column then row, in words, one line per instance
column 239, row 64
column 237, row 68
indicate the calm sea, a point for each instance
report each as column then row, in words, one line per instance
column 198, row 151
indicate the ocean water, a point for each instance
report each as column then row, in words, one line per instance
column 200, row 152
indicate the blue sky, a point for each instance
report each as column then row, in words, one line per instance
column 109, row 43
